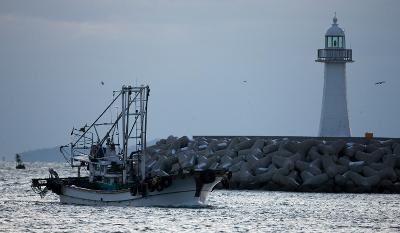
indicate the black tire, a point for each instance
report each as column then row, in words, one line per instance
column 134, row 190
column 152, row 187
column 143, row 189
column 167, row 181
column 160, row 186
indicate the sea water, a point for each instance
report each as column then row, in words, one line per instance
column 21, row 210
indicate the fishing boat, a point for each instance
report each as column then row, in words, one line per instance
column 113, row 155
column 20, row 164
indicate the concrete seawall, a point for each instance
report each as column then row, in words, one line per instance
column 310, row 164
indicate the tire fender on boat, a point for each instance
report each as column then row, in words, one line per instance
column 166, row 181
column 143, row 189
column 133, row 190
column 160, row 186
column 151, row 187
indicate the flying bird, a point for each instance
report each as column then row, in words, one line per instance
column 102, row 83
column 245, row 81
column 380, row 83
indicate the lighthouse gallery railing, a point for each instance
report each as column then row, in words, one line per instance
column 339, row 55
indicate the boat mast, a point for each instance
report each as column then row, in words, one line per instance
column 138, row 126
column 142, row 137
column 133, row 105
column 124, row 134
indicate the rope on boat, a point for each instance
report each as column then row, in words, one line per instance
column 63, row 153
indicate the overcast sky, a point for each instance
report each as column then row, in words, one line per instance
column 195, row 56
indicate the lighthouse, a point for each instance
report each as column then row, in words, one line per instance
column 334, row 120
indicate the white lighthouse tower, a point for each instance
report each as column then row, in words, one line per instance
column 334, row 115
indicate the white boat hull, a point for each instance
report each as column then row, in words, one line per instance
column 182, row 192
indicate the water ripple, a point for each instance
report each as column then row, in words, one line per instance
column 228, row 211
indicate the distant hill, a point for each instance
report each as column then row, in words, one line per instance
column 53, row 154
column 43, row 155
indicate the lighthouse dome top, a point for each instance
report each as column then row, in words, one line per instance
column 334, row 30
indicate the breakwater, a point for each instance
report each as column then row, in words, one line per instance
column 286, row 163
